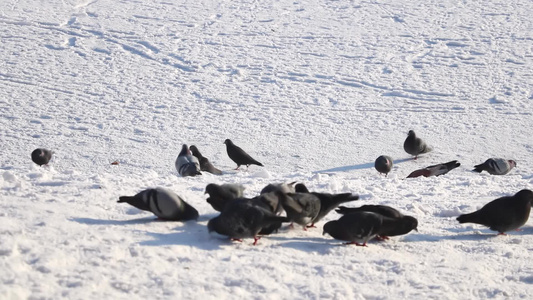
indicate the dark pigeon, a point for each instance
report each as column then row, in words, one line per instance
column 301, row 188
column 186, row 163
column 164, row 203
column 406, row 224
column 269, row 196
column 496, row 166
column 361, row 226
column 239, row 156
column 503, row 214
column 301, row 208
column 205, row 164
column 414, row 145
column 435, row 170
column 242, row 219
column 41, row 156
column 383, row 164
column 221, row 195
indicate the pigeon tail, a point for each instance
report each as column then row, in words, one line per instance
column 469, row 218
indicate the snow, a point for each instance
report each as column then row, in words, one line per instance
column 315, row 90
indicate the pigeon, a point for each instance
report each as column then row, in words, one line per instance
column 269, row 196
column 301, row 188
column 329, row 202
column 406, row 224
column 221, row 195
column 383, row 164
column 164, row 203
column 414, row 145
column 186, row 163
column 435, row 170
column 301, row 208
column 239, row 156
column 361, row 226
column 496, row 166
column 503, row 214
column 242, row 219
column 41, row 156
column 205, row 164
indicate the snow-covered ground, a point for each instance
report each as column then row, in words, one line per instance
column 315, row 90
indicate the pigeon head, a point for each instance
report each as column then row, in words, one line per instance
column 512, row 163
column 525, row 194
column 409, row 223
column 411, row 133
column 301, row 188
column 228, row 142
column 328, row 227
column 212, row 224
column 195, row 151
column 184, row 150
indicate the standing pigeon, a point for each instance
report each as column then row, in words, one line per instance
column 360, row 226
column 164, row 203
column 301, row 208
column 383, row 164
column 242, row 219
column 205, row 164
column 435, row 170
column 41, row 156
column 239, row 156
column 221, row 195
column 496, row 166
column 403, row 226
column 186, row 163
column 414, row 145
column 503, row 214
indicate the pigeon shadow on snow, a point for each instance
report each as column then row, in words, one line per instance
column 190, row 234
column 89, row 221
column 359, row 167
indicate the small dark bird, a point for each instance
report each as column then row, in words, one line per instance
column 242, row 219
column 164, row 203
column 503, row 214
column 186, row 163
column 239, row 156
column 414, row 145
column 205, row 164
column 383, row 164
column 41, row 156
column 496, row 166
column 435, row 170
column 301, row 208
column 361, row 226
column 406, row 224
column 221, row 195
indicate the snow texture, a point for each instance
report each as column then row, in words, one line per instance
column 316, row 90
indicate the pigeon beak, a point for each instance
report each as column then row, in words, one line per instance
column 416, row 229
column 324, row 233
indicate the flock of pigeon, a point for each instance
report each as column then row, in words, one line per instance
column 280, row 203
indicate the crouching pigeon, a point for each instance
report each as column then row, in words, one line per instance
column 164, row 203
column 383, row 164
column 435, row 170
column 186, row 163
column 496, row 166
column 503, row 214
column 41, row 156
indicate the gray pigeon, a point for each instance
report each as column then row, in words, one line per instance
column 383, row 164
column 186, row 163
column 205, row 164
column 329, row 202
column 242, row 219
column 406, row 224
column 301, row 208
column 221, row 195
column 503, row 214
column 239, row 156
column 414, row 145
column 270, row 197
column 41, row 156
column 496, row 166
column 435, row 170
column 164, row 203
column 361, row 226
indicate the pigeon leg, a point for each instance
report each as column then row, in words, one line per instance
column 256, row 238
column 291, row 226
column 237, row 167
column 502, row 233
column 236, row 240
column 311, row 226
column 382, row 237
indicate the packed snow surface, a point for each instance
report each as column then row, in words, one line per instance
column 315, row 90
